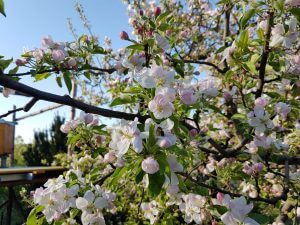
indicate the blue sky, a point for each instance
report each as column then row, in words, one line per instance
column 27, row 22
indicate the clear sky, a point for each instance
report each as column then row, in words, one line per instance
column 27, row 22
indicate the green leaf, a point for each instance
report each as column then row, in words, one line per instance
column 244, row 39
column 164, row 167
column 228, row 75
column 4, row 63
column 296, row 13
column 259, row 218
column 136, row 47
column 250, row 66
column 163, row 16
column 58, row 81
column 2, row 8
column 68, row 80
column 99, row 50
column 202, row 191
column 14, row 70
column 156, row 182
column 163, row 27
column 246, row 17
column 122, row 101
column 87, row 75
column 73, row 139
column 41, row 76
column 117, row 175
column 32, row 219
column 151, row 140
column 139, row 175
column 217, row 210
column 239, row 116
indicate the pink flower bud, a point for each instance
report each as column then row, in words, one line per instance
column 248, row 169
column 169, row 32
column 65, row 128
column 124, row 35
column 141, row 12
column 20, row 62
column 157, row 11
column 220, row 196
column 47, row 42
column 110, row 157
column 95, row 122
column 193, row 133
column 72, row 62
column 140, row 30
column 214, row 223
column 58, row 55
column 120, row 163
column 261, row 102
column 99, row 139
column 150, row 165
column 227, row 96
column 149, row 33
column 88, row 118
column 257, row 167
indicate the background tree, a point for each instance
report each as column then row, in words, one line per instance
column 46, row 144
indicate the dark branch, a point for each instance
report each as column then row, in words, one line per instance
column 25, row 108
column 260, row 199
column 57, row 70
column 66, row 100
column 264, row 57
column 206, row 63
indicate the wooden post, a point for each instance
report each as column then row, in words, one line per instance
column 12, row 157
column 9, row 205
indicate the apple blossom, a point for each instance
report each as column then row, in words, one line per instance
column 259, row 119
column 123, row 136
column 238, row 210
column 150, row 210
column 58, row 55
column 282, row 109
column 193, row 208
column 161, row 107
column 150, row 165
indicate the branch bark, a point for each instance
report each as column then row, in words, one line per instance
column 67, row 100
column 25, row 108
column 264, row 57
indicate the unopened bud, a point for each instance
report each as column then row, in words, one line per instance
column 124, row 35
column 157, row 11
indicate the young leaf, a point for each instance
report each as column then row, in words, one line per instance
column 2, row 8
column 122, row 101
column 67, row 80
column 136, row 47
column 156, row 182
column 246, row 17
column 41, row 76
column 4, row 63
column 58, row 81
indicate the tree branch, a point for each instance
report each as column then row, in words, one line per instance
column 264, row 57
column 25, row 108
column 57, row 70
column 67, row 100
column 259, row 199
